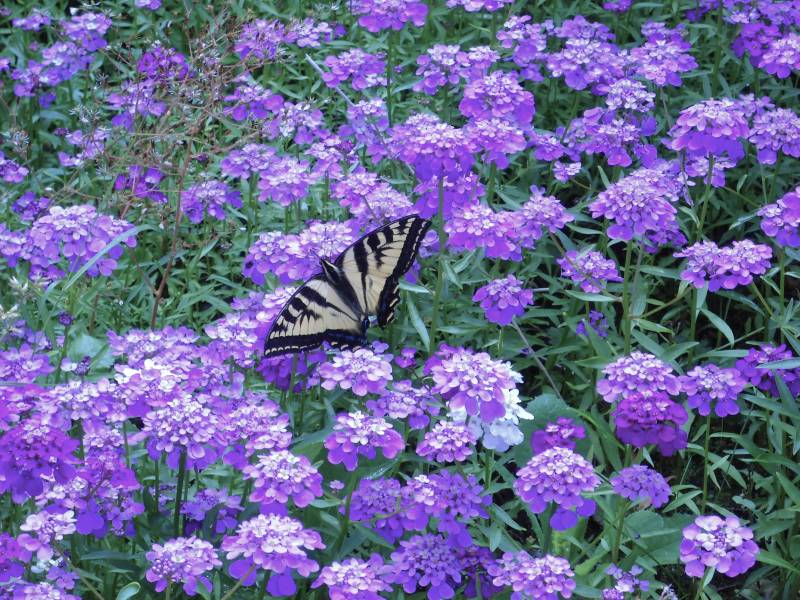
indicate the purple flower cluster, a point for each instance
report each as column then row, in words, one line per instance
column 432, row 147
column 10, row 171
column 377, row 15
column 364, row 70
column 782, row 219
column 477, row 5
column 625, row 582
column 560, row 433
column 775, row 130
column 589, row 269
column 639, row 483
column 664, row 56
column 209, row 197
column 558, row 475
column 711, row 128
column 503, row 299
column 281, row 475
column 363, row 371
column 142, row 182
column 251, row 100
column 641, row 206
column 764, row 379
column 545, row 578
column 294, row 257
column 42, row 529
column 354, row 579
column 709, row 385
column 645, row 413
column 404, row 401
column 426, row 561
column 274, row 543
column 358, row 434
column 498, row 95
column 472, row 381
column 724, row 267
column 447, row 442
column 722, row 544
column 183, row 560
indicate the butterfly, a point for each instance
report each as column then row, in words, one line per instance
column 335, row 306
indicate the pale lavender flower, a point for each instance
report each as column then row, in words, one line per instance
column 709, row 385
column 43, row 529
column 363, row 370
column 782, row 56
column 404, row 401
column 10, row 171
column 426, row 561
column 726, row 267
column 354, row 579
column 498, row 95
column 588, row 268
column 641, row 484
column 722, row 544
column 262, row 39
column 496, row 139
column 377, row 15
column 625, row 582
column 782, row 219
column 281, row 475
column 209, row 197
column 447, row 442
column 711, row 127
column 477, row 5
column 181, row 560
column 773, row 131
column 558, row 475
column 559, row 433
column 364, row 70
column 357, row 433
column 432, row 147
column 545, row 578
column 641, row 375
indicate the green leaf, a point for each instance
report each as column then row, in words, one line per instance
column 589, row 297
column 129, row 591
column 721, row 326
column 417, row 323
column 768, row 558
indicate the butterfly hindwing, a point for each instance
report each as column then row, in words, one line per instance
column 314, row 314
column 375, row 264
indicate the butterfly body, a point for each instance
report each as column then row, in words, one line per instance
column 335, row 306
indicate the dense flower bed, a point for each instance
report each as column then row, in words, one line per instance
column 590, row 387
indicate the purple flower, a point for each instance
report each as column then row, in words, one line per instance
column 212, row 507
column 23, row 364
column 639, row 483
column 32, row 452
column 365, row 70
column 142, row 182
column 639, row 375
column 33, row 22
column 354, row 579
column 476, row 5
column 588, row 268
column 284, row 181
column 281, row 475
column 651, row 420
column 459, row 195
column 558, row 475
column 663, row 56
column 209, row 197
column 585, row 62
column 597, row 322
column 87, row 29
column 186, row 423
column 10, row 171
column 29, row 207
column 370, row 200
column 300, row 121
column 376, row 15
column 721, row 544
column 309, row 33
column 273, row 543
column 472, row 381
column 561, row 433
column 41, row 591
column 782, row 56
column 616, row 136
column 447, row 442
column 498, row 95
column 708, row 384
column 76, row 235
column 641, row 205
column 432, row 147
column 164, row 65
column 496, row 139
column 545, row 578
column 363, row 370
column 764, row 379
column 782, row 219
column 357, row 433
column 376, row 504
column 726, row 267
column 711, row 127
column 625, row 582
column 12, row 555
column 135, row 99
column 295, row 257
column 181, row 560
column 12, row 245
column 404, row 401
column 773, row 131
column 251, row 100
column 43, row 529
column 452, row 500
column 503, row 299
column 528, row 43
column 441, row 65
column 426, row 560
column 478, row 226
column 565, row 171
column 262, row 39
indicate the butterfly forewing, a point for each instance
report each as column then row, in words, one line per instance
column 374, row 264
column 314, row 314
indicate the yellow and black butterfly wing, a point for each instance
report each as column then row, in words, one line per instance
column 313, row 315
column 374, row 264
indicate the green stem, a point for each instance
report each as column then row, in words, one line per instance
column 536, row 358
column 239, row 583
column 179, row 494
column 706, row 444
column 168, row 592
column 618, row 527
column 704, row 202
column 627, row 324
column 700, row 587
column 437, row 296
column 389, row 68
column 491, row 184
